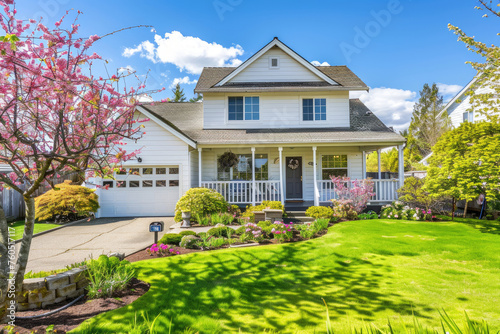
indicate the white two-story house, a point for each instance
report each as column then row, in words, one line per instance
column 291, row 124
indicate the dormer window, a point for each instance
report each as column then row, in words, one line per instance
column 314, row 109
column 243, row 108
column 274, row 62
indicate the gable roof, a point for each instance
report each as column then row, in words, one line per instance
column 188, row 119
column 345, row 78
column 287, row 50
column 463, row 91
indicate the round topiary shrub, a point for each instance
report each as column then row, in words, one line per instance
column 218, row 232
column 318, row 212
column 189, row 241
column 170, row 239
column 183, row 233
column 200, row 202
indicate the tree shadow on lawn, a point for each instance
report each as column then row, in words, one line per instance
column 277, row 290
column 485, row 226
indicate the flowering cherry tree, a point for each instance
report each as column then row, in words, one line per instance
column 357, row 192
column 56, row 116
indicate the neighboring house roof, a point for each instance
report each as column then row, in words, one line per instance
column 187, row 118
column 342, row 75
column 462, row 92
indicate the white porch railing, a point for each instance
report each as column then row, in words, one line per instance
column 385, row 190
column 241, row 191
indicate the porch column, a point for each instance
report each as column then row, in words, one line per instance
column 199, row 167
column 315, row 178
column 379, row 164
column 280, row 149
column 253, row 176
column 401, row 169
column 363, row 165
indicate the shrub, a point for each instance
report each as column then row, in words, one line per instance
column 183, row 233
column 202, row 219
column 69, row 200
column 320, row 212
column 170, row 239
column 217, row 242
column 108, row 275
column 344, row 209
column 234, row 210
column 240, row 230
column 200, row 202
column 321, row 224
column 221, row 218
column 249, row 212
column 282, row 232
column 368, row 215
column 190, row 241
column 397, row 210
column 218, row 232
column 202, row 235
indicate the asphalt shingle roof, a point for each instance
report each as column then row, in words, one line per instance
column 187, row 118
column 346, row 79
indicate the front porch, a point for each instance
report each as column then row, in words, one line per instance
column 291, row 174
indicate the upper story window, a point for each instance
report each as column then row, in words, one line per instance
column 243, row 108
column 469, row 116
column 314, row 109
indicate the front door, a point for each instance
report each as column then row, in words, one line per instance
column 293, row 178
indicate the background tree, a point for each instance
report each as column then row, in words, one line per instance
column 466, row 163
column 55, row 118
column 178, row 94
column 198, row 98
column 388, row 161
column 426, row 125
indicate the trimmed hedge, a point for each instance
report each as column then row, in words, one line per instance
column 170, row 239
column 249, row 212
column 318, row 212
column 200, row 201
column 183, row 233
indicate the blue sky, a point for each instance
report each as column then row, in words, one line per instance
column 393, row 46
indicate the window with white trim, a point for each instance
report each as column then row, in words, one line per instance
column 274, row 62
column 333, row 165
column 468, row 116
column 243, row 108
column 243, row 170
column 314, row 109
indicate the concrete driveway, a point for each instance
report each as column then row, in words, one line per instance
column 75, row 243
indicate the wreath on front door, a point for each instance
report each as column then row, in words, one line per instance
column 293, row 164
column 228, row 160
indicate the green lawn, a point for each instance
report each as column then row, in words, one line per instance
column 365, row 270
column 39, row 227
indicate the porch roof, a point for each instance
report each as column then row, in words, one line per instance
column 188, row 119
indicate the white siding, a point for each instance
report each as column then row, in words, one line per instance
column 209, row 159
column 289, row 70
column 193, row 162
column 159, row 147
column 277, row 110
column 457, row 109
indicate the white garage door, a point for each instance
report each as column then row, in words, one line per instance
column 141, row 191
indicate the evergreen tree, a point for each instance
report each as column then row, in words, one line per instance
column 178, row 94
column 198, row 97
column 426, row 125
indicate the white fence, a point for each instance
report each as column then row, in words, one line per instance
column 241, row 191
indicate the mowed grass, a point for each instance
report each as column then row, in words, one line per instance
column 39, row 227
column 368, row 271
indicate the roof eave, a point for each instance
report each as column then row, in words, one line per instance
column 279, row 89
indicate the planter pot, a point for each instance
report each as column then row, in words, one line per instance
column 186, row 219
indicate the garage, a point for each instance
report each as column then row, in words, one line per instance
column 141, row 191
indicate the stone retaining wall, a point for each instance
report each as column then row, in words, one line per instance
column 53, row 289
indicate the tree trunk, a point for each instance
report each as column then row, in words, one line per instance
column 453, row 208
column 24, row 251
column 4, row 265
column 465, row 210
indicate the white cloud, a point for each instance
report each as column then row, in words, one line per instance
column 186, row 52
column 393, row 106
column 181, row 81
column 317, row 63
column 127, row 69
column 449, row 91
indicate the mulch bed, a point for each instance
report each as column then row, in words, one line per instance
column 74, row 315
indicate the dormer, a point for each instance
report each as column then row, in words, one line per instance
column 277, row 88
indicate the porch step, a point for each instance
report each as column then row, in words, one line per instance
column 297, row 217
